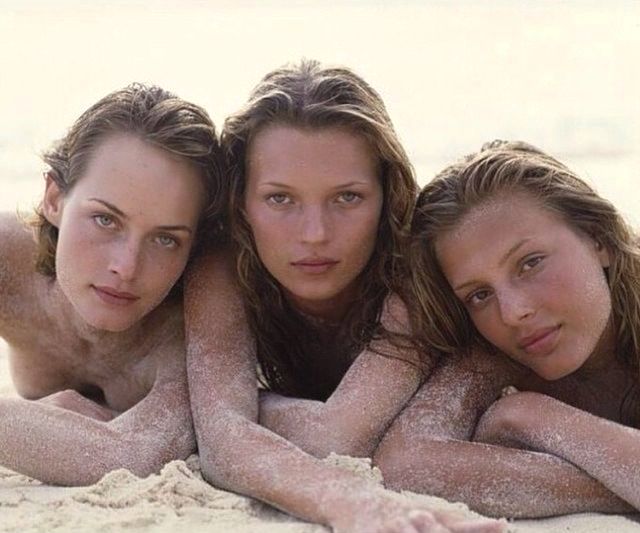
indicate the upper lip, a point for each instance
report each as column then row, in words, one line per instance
column 118, row 294
column 528, row 340
column 314, row 261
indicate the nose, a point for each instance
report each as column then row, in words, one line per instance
column 516, row 305
column 125, row 259
column 315, row 225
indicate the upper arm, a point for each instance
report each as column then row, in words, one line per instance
column 221, row 362
column 17, row 261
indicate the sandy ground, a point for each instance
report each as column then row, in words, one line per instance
column 177, row 499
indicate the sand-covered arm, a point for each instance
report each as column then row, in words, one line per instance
column 238, row 454
column 62, row 447
column 428, row 449
column 606, row 450
column 371, row 394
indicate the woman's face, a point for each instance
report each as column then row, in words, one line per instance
column 125, row 230
column 313, row 201
column 533, row 286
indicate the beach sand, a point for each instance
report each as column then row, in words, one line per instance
column 177, row 499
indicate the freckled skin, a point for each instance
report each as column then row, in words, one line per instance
column 110, row 379
column 559, row 447
column 318, row 215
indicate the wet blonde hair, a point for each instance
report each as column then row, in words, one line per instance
column 515, row 167
column 156, row 116
column 310, row 96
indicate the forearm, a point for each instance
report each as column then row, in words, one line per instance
column 247, row 458
column 495, row 480
column 58, row 446
column 606, row 450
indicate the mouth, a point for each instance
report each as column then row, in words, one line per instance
column 111, row 296
column 315, row 265
column 540, row 342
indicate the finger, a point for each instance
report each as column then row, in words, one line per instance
column 480, row 526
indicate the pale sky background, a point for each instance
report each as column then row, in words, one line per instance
column 563, row 75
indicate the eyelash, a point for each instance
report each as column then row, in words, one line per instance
column 173, row 244
column 100, row 218
column 528, row 265
column 354, row 198
column 107, row 222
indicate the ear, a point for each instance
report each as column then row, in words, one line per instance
column 603, row 254
column 53, row 201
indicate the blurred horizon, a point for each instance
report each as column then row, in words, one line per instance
column 564, row 76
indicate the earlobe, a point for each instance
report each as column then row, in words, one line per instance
column 53, row 201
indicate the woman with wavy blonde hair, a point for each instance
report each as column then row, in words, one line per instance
column 515, row 255
column 321, row 197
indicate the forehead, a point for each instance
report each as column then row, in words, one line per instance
column 133, row 173
column 288, row 152
column 491, row 229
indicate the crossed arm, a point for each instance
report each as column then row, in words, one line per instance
column 238, row 454
column 429, row 449
column 352, row 421
column 607, row 451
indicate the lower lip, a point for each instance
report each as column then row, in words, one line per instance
column 110, row 299
column 545, row 345
column 315, row 268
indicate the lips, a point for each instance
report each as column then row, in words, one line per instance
column 112, row 296
column 315, row 265
column 540, row 342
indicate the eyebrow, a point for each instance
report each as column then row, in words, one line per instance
column 502, row 261
column 122, row 214
column 286, row 186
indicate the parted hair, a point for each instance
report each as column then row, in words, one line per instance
column 310, row 96
column 159, row 118
column 516, row 167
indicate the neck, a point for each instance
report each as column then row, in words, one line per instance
column 604, row 357
column 330, row 311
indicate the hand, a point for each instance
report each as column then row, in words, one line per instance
column 508, row 421
column 72, row 400
column 388, row 512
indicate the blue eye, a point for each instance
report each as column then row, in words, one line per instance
column 278, row 199
column 167, row 241
column 349, row 197
column 104, row 221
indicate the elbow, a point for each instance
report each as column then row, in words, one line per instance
column 392, row 458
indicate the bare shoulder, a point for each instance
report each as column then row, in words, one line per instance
column 17, row 259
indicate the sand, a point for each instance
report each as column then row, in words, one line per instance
column 177, row 499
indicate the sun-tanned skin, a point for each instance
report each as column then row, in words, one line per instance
column 430, row 448
column 239, row 454
column 99, row 344
column 560, row 446
column 47, row 355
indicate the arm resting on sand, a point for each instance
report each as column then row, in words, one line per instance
column 606, row 450
column 62, row 447
column 428, row 449
column 238, row 454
